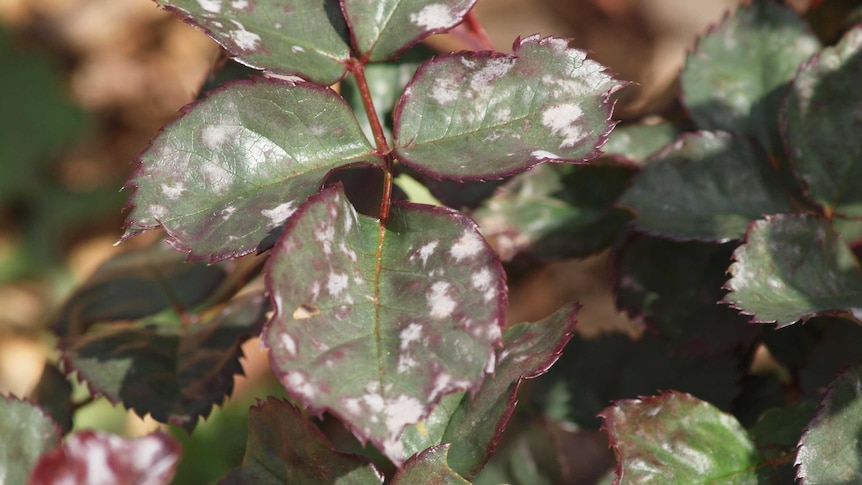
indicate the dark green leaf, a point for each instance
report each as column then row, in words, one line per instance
column 777, row 431
column 636, row 142
column 706, row 186
column 302, row 37
column 821, row 122
column 829, row 450
column 382, row 29
column 285, row 447
column 236, row 165
column 736, row 77
column 470, row 116
column 793, row 267
column 677, row 438
column 430, row 467
column 385, row 320
column 27, row 433
column 53, row 394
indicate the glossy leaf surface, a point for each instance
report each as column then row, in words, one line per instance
column 306, row 38
column 237, row 164
column 736, row 77
column 94, row 458
column 470, row 116
column 821, row 123
column 677, row 438
column 384, row 321
column 285, row 447
column 382, row 29
column 473, row 424
column 792, row 268
column 175, row 375
column 28, row 433
column 706, row 186
column 429, row 467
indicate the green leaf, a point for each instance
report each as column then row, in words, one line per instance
column 473, row 424
column 285, row 447
column 636, row 142
column 736, row 78
column 306, row 38
column 821, row 122
column 677, row 438
column 385, row 320
column 382, row 29
column 557, row 211
column 28, row 434
column 793, row 267
column 707, row 186
column 174, row 374
column 777, row 431
column 829, row 449
column 430, row 467
column 53, row 394
column 470, row 116
column 237, row 164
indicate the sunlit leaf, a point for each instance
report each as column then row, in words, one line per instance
column 470, row 116
column 821, row 122
column 384, row 28
column 677, row 438
column 301, row 37
column 736, row 77
column 705, row 186
column 383, row 321
column 237, row 164
column 430, row 467
column 793, row 267
column 28, row 433
column 285, row 447
column 636, row 142
column 94, row 458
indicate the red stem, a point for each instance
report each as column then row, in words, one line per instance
column 474, row 26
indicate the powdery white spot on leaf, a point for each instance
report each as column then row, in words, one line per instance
column 215, row 136
column 217, row 177
column 493, row 70
column 278, row 214
column 244, row 39
column 470, row 244
column 336, row 283
column 410, row 334
column 445, row 91
column 288, row 343
column 227, row 212
column 212, row 6
column 297, row 48
column 431, row 17
column 427, row 250
column 158, row 211
column 561, row 120
column 239, row 4
column 440, row 303
column 174, row 191
column 299, row 383
column 402, row 411
column 543, row 154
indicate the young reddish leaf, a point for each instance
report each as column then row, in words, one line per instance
column 306, row 38
column 557, row 211
column 473, row 424
column 821, row 124
column 430, row 467
column 381, row 30
column 828, row 450
column 677, row 438
column 285, row 447
column 94, row 458
column 736, row 77
column 470, row 116
column 27, row 433
column 384, row 321
column 793, row 267
column 236, row 165
column 706, row 186
column 174, row 374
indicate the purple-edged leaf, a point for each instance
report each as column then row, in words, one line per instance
column 707, row 186
column 28, row 432
column 557, row 211
column 675, row 287
column 470, row 116
column 636, row 142
column 174, row 374
column 430, row 467
column 677, row 438
column 473, row 424
column 793, row 267
column 829, row 449
column 821, row 122
column 736, row 77
column 236, row 165
column 296, row 37
column 382, row 29
column 285, row 447
column 384, row 321
column 94, row 458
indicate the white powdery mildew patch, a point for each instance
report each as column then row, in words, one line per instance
column 289, row 344
column 215, row 136
column 483, row 281
column 217, row 177
column 212, row 6
column 227, row 212
column 439, row 302
column 315, row 290
column 445, row 91
column 494, row 69
column 437, row 16
column 299, row 383
column 542, row 154
column 427, row 250
column 402, row 411
column 560, row 119
column 147, row 456
column 336, row 283
column 278, row 214
column 470, row 244
column 444, row 384
column 351, row 254
column 174, row 191
column 239, row 4
column 158, row 211
column 244, row 39
column 297, row 48
column 325, row 235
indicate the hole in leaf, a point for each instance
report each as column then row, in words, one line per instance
column 305, row 311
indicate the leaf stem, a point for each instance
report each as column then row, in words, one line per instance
column 475, row 27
